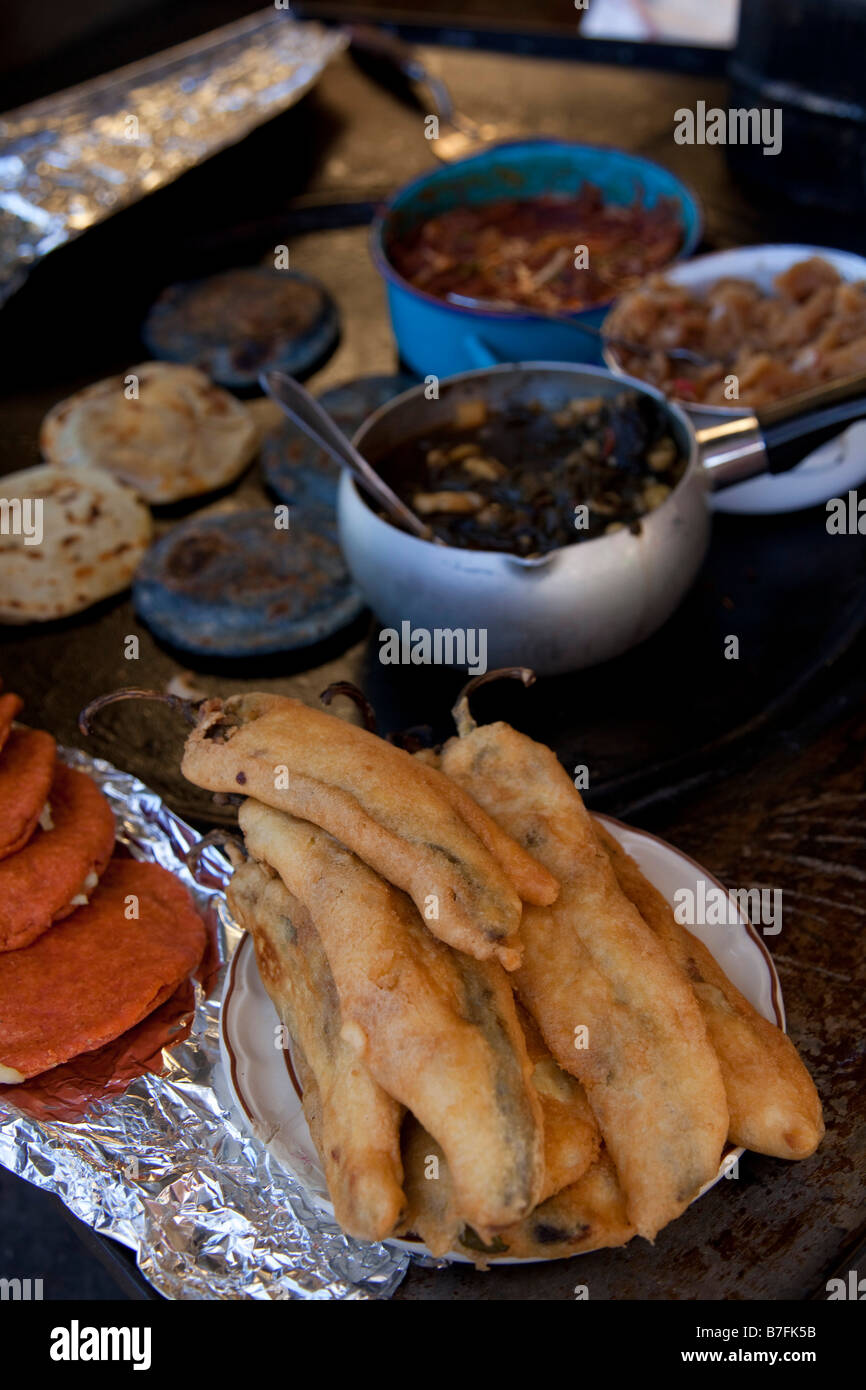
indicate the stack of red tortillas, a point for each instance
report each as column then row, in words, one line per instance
column 90, row 944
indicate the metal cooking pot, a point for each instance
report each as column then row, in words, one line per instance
column 584, row 603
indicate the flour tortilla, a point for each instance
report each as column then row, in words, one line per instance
column 180, row 437
column 94, row 532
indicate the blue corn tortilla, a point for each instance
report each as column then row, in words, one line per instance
column 235, row 324
column 232, row 584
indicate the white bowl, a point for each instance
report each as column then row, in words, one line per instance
column 827, row 472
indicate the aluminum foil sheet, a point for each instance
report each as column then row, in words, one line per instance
column 70, row 160
column 167, row 1168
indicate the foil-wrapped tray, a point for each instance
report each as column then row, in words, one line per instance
column 70, row 160
column 167, row 1167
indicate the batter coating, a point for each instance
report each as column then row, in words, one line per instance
column 773, row 1103
column 354, row 1123
column 437, row 1029
column 589, row 1214
column 371, row 796
column 590, row 962
column 571, row 1135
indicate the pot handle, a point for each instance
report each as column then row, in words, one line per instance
column 792, row 428
column 778, row 437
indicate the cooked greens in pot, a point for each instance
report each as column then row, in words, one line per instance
column 527, row 480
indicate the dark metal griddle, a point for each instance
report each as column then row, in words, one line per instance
column 756, row 768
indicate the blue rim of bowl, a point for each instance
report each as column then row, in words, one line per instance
column 390, row 273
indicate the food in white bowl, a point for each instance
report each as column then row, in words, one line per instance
column 773, row 321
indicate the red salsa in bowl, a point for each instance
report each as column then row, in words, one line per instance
column 555, row 253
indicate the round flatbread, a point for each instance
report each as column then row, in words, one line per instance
column 165, row 430
column 92, row 534
column 234, row 584
column 58, row 865
column 96, row 974
column 26, row 772
column 234, row 324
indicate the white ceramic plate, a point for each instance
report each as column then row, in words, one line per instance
column 263, row 1084
column 827, row 472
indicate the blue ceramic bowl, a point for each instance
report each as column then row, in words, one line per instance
column 438, row 338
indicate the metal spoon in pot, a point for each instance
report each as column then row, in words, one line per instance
column 676, row 354
column 306, row 412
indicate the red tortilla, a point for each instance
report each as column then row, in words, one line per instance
column 10, row 708
column 97, row 974
column 26, row 769
column 38, row 883
column 70, row 1091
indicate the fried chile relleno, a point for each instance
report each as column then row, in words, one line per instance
column 571, row 1134
column 571, row 1149
column 374, row 799
column 773, row 1103
column 436, row 1028
column 512, row 479
column 532, row 881
column 652, row 1078
column 588, row 1214
column 354, row 1123
column 411, row 1046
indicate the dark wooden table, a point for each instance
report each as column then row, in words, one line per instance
column 776, row 797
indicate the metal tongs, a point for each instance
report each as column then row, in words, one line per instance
column 459, row 134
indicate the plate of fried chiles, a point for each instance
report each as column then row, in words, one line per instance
column 92, row 942
column 502, row 1043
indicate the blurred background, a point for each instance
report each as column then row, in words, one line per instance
column 54, row 44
